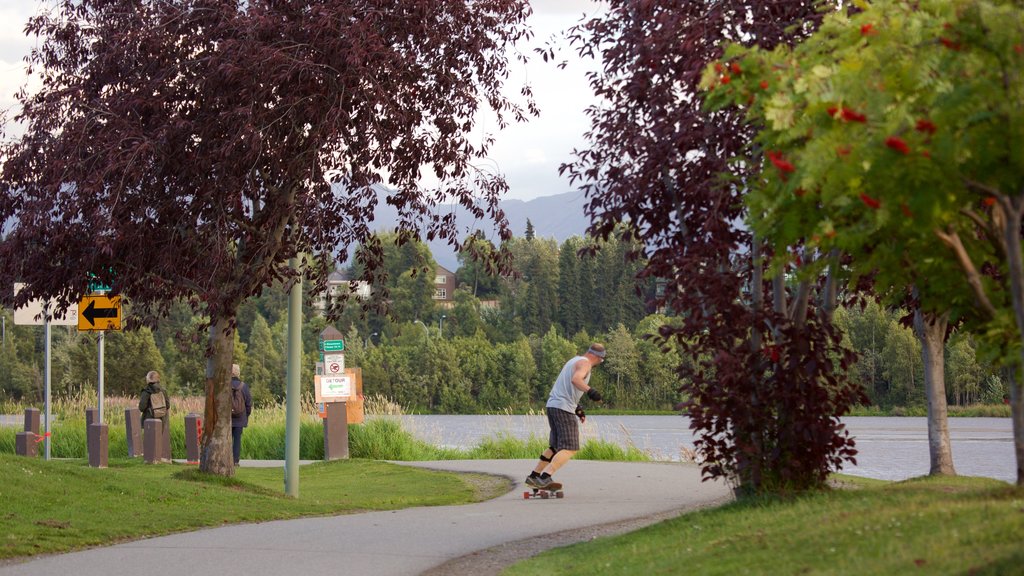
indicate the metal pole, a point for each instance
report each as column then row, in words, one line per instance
column 99, row 378
column 46, row 376
column 291, row 437
column 426, row 333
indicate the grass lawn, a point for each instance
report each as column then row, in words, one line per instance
column 57, row 506
column 920, row 526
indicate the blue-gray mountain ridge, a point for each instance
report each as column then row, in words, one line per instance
column 559, row 216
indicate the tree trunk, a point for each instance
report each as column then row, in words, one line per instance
column 1017, row 417
column 931, row 329
column 1016, row 268
column 215, row 455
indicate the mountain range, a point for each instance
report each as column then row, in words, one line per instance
column 559, row 216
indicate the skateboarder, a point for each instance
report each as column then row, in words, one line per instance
column 563, row 409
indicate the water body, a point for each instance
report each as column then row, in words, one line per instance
column 890, row 448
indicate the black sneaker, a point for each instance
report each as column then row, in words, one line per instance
column 538, row 481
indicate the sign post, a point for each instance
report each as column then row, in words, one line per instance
column 99, row 313
column 38, row 313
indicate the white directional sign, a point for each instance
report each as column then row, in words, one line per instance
column 31, row 314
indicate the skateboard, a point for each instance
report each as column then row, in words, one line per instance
column 552, row 491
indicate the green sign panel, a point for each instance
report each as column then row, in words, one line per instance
column 332, row 345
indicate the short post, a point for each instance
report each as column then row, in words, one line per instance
column 96, row 434
column 32, row 420
column 26, row 443
column 91, row 417
column 98, row 445
column 165, row 438
column 152, row 443
column 133, row 431
column 193, row 435
column 335, row 431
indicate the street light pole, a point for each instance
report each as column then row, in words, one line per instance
column 440, row 325
column 426, row 333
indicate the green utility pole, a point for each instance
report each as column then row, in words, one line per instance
column 292, row 398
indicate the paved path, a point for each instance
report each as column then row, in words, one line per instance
column 403, row 542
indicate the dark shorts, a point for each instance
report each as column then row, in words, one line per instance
column 565, row 432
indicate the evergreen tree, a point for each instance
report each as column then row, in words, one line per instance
column 572, row 303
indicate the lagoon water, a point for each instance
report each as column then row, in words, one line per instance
column 889, row 448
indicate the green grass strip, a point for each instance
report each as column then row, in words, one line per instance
column 925, row 525
column 58, row 506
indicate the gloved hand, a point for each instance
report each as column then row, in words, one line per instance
column 581, row 414
column 594, row 395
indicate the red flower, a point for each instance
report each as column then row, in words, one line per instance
column 771, row 352
column 726, row 79
column 718, row 67
column 926, row 153
column 735, row 67
column 799, row 192
column 906, row 210
column 897, row 144
column 870, row 202
column 925, row 125
column 1018, row 48
column 781, row 163
column 867, row 30
column 853, row 115
column 832, row 111
column 764, row 84
column 949, row 43
column 844, row 150
column 989, row 201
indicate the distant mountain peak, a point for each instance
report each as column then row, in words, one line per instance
column 559, row 216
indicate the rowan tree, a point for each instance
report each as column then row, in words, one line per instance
column 894, row 135
column 189, row 149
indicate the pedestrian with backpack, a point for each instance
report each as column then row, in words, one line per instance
column 153, row 401
column 155, row 404
column 241, row 408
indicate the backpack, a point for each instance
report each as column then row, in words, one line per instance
column 158, row 403
column 237, row 401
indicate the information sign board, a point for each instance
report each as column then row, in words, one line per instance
column 31, row 314
column 333, row 388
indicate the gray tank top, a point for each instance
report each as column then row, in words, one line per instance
column 564, row 395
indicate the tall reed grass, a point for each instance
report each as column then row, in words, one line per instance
column 382, row 437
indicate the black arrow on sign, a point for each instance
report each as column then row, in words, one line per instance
column 92, row 313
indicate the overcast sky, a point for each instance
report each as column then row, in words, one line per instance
column 528, row 154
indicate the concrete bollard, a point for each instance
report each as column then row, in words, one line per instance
column 98, row 445
column 26, row 443
column 152, row 442
column 32, row 420
column 133, row 431
column 165, row 438
column 92, row 416
column 193, row 435
column 336, row 431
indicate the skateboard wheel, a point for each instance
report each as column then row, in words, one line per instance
column 545, row 495
column 526, row 495
column 559, row 494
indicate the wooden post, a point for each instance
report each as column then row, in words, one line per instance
column 336, row 431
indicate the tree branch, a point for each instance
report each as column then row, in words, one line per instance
column 952, row 240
